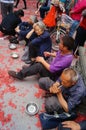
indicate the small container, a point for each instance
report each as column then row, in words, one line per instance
column 12, row 46
column 32, row 109
column 14, row 55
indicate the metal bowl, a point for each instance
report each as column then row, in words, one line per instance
column 14, row 55
column 32, row 109
column 12, row 46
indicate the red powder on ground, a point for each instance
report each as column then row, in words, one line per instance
column 12, row 104
column 39, row 93
column 22, row 109
column 4, row 119
column 1, row 105
column 5, row 78
column 12, row 89
column 38, row 124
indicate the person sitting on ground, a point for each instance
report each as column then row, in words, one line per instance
column 67, row 93
column 53, row 69
column 23, row 29
column 80, row 122
column 10, row 22
column 38, row 41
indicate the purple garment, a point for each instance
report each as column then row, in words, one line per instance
column 61, row 62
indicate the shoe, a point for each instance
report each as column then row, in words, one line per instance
column 14, row 40
column 14, row 75
column 28, row 61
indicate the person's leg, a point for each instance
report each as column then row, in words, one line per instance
column 73, row 28
column 10, row 8
column 80, row 37
column 33, row 69
column 45, row 83
column 52, row 105
column 4, row 10
column 43, row 10
column 33, row 50
column 17, row 2
column 24, row 4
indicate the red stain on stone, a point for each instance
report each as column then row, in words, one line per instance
column 39, row 93
column 38, row 124
column 1, row 105
column 2, row 57
column 43, row 108
column 12, row 104
column 4, row 119
column 36, row 86
column 12, row 89
column 5, row 78
column 22, row 109
column 24, row 93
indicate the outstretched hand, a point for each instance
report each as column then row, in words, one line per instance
column 71, row 124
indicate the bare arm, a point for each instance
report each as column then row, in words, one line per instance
column 43, row 62
column 62, row 101
column 55, row 89
column 29, row 34
column 50, row 54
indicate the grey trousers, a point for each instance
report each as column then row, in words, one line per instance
column 51, row 103
column 45, row 83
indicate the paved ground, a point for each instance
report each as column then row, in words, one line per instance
column 14, row 94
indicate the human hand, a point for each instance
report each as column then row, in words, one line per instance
column 39, row 59
column 46, row 54
column 71, row 124
column 36, row 12
column 17, row 29
column 55, row 88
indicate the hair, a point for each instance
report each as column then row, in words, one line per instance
column 19, row 12
column 73, row 74
column 41, row 25
column 68, row 42
column 33, row 18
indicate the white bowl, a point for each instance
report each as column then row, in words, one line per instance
column 14, row 55
column 32, row 109
column 12, row 46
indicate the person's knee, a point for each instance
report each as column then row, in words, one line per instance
column 45, row 83
column 42, row 83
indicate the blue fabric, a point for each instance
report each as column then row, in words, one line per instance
column 74, row 95
column 43, row 42
column 24, row 27
column 51, row 121
column 63, row 1
column 73, row 28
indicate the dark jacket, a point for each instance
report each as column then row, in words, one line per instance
column 43, row 42
column 9, row 23
column 24, row 27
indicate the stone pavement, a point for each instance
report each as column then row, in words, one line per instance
column 15, row 94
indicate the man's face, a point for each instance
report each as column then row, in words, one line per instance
column 61, row 46
column 66, row 80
